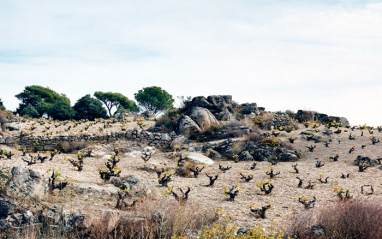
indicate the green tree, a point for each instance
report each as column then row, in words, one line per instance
column 30, row 111
column 61, row 109
column 154, row 99
column 117, row 100
column 2, row 107
column 41, row 98
column 89, row 108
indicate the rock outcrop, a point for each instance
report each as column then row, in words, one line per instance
column 27, row 182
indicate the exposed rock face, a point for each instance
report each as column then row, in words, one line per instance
column 107, row 190
column 187, row 126
column 245, row 156
column 25, row 180
column 18, row 220
column 200, row 158
column 7, row 207
column 203, row 117
column 249, row 108
column 71, row 221
column 225, row 115
column 220, row 102
column 305, row 115
column 216, row 104
column 279, row 119
column 138, row 186
column 14, row 126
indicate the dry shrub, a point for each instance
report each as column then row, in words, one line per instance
column 248, row 122
column 165, row 219
column 72, row 147
column 270, row 141
column 352, row 219
column 3, row 119
column 168, row 121
column 254, row 137
column 235, row 123
column 184, row 171
column 235, row 133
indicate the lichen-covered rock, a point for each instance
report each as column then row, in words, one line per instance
column 203, row 117
column 137, row 186
column 248, row 108
column 187, row 127
column 7, row 207
column 28, row 182
column 13, row 126
column 245, row 156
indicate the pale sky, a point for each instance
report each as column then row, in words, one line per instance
column 320, row 55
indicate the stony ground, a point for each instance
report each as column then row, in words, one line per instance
column 283, row 197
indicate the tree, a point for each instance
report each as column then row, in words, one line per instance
column 154, row 99
column 2, row 107
column 41, row 98
column 30, row 111
column 117, row 100
column 61, row 110
column 89, row 108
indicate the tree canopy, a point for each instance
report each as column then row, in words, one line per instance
column 61, row 110
column 89, row 108
column 154, row 99
column 117, row 100
column 2, row 107
column 41, row 98
column 30, row 111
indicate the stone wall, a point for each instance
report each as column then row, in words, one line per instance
column 49, row 143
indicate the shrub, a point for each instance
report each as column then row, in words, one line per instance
column 72, row 147
column 254, row 137
column 3, row 119
column 352, row 219
column 168, row 121
column 270, row 141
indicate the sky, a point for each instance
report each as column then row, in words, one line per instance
column 316, row 55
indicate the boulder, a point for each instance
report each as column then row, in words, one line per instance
column 138, row 186
column 7, row 207
column 199, row 101
column 245, row 156
column 305, row 115
column 225, row 115
column 70, row 221
column 27, row 181
column 187, row 127
column 91, row 189
column 13, row 126
column 203, row 117
column 248, row 108
column 200, row 158
column 214, row 154
column 220, row 102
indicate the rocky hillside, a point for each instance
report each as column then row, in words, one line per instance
column 221, row 158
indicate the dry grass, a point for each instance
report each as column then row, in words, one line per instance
column 351, row 219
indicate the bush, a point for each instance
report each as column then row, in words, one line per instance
column 168, row 121
column 3, row 119
column 270, row 141
column 254, row 137
column 352, row 219
column 72, row 147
